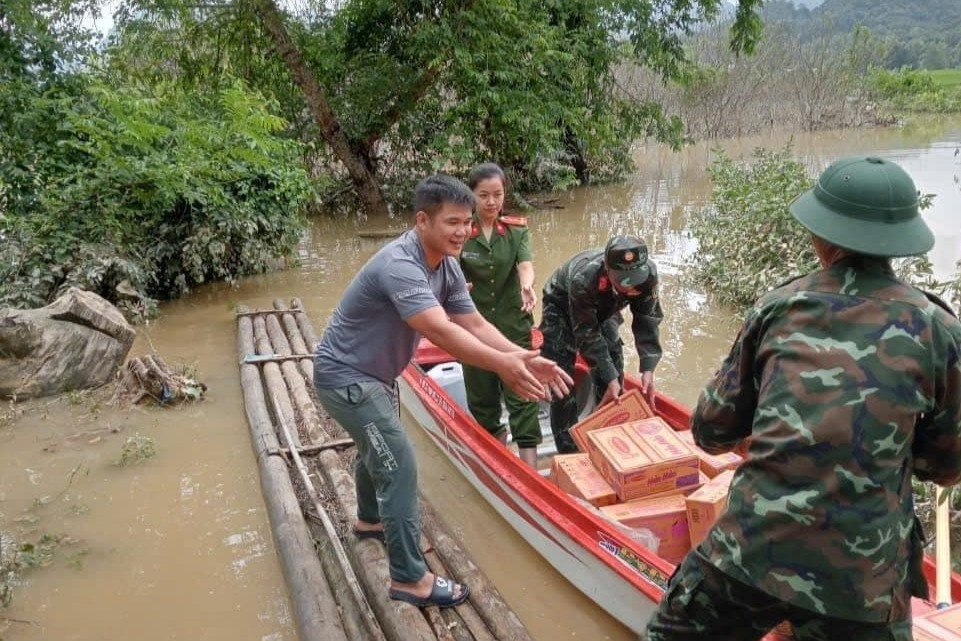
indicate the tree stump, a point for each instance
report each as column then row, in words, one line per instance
column 149, row 377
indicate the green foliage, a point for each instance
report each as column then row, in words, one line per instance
column 142, row 193
column 947, row 78
column 526, row 83
column 747, row 241
column 135, row 450
column 915, row 91
column 917, row 33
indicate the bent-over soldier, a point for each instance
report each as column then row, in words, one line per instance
column 582, row 301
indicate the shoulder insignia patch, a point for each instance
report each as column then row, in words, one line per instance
column 603, row 283
column 519, row 221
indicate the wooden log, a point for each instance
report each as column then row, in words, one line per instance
column 358, row 617
column 303, row 321
column 315, row 612
column 264, row 312
column 472, row 622
column 485, row 597
column 274, row 383
column 297, row 342
column 310, row 450
column 309, row 424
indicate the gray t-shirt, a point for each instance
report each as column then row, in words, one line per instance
column 367, row 338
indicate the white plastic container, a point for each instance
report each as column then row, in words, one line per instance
column 450, row 376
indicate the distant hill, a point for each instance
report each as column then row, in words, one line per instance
column 918, row 33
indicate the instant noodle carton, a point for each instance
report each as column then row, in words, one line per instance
column 706, row 504
column 576, row 475
column 665, row 516
column 711, row 464
column 642, row 458
column 940, row 625
column 631, row 406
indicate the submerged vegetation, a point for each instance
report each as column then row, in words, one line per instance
column 748, row 242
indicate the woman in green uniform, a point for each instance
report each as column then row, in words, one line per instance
column 496, row 260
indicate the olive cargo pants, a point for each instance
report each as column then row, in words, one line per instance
column 385, row 472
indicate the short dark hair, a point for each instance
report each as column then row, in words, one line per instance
column 484, row 171
column 435, row 191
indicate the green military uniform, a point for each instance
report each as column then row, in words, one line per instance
column 582, row 312
column 491, row 268
column 848, row 382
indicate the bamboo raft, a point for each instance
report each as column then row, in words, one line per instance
column 337, row 583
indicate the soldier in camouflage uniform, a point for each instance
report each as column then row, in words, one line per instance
column 846, row 382
column 583, row 300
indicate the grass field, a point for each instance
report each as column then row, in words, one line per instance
column 947, row 78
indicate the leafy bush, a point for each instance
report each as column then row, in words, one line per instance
column 748, row 242
column 915, row 91
column 147, row 192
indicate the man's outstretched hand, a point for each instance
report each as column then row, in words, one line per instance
column 558, row 382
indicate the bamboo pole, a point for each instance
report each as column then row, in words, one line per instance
column 274, row 384
column 485, row 598
column 942, row 546
column 297, row 343
column 359, row 618
column 306, row 327
column 310, row 421
column 315, row 612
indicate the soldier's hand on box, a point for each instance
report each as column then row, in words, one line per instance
column 612, row 392
column 647, row 387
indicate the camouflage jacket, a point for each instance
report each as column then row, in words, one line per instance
column 847, row 381
column 580, row 288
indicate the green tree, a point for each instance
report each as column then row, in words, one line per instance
column 396, row 88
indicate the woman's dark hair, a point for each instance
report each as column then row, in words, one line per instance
column 484, row 171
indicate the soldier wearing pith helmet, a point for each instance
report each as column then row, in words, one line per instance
column 583, row 300
column 845, row 383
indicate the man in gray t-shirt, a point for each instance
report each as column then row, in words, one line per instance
column 412, row 287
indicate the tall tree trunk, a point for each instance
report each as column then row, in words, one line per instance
column 361, row 174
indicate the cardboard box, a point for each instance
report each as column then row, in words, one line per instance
column 944, row 625
column 630, row 407
column 665, row 516
column 576, row 475
column 711, row 464
column 706, row 504
column 642, row 458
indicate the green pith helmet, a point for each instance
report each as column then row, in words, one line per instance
column 865, row 204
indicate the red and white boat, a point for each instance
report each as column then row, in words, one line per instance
column 623, row 577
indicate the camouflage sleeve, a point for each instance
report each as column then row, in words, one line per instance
column 725, row 410
column 937, row 434
column 647, row 315
column 587, row 331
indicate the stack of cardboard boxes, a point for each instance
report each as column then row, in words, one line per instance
column 638, row 471
column 938, row 625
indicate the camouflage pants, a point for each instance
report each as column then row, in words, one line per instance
column 560, row 346
column 702, row 602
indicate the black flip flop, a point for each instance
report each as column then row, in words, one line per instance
column 441, row 594
column 377, row 535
